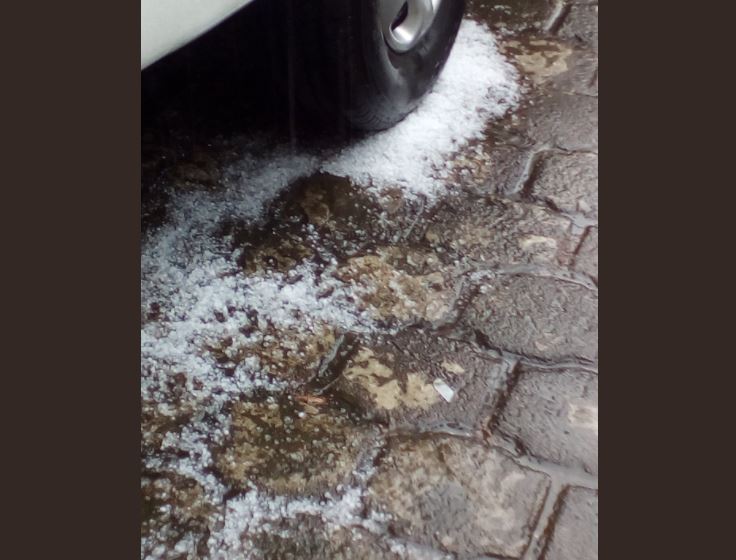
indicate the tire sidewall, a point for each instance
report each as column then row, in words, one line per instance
column 396, row 82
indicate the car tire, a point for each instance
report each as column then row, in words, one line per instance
column 349, row 67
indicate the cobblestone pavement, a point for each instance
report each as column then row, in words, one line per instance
column 446, row 404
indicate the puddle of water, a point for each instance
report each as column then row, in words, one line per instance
column 303, row 444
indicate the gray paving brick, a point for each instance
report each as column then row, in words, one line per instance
column 495, row 232
column 458, row 496
column 538, row 317
column 568, row 122
column 575, row 535
column 554, row 416
column 581, row 24
column 569, row 183
column 586, row 261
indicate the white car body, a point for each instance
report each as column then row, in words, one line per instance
column 167, row 25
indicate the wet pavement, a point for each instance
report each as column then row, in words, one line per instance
column 347, row 359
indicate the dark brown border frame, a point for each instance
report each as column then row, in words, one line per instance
column 71, row 269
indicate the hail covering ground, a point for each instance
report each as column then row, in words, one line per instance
column 191, row 275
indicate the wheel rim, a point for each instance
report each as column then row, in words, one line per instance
column 404, row 22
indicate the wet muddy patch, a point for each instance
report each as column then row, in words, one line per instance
column 422, row 381
column 297, row 444
column 175, row 515
column 514, row 15
column 309, row 538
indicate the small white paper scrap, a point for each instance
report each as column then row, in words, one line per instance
column 443, row 389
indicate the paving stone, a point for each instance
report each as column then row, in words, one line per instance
column 392, row 293
column 491, row 169
column 581, row 76
column 538, row 317
column 400, row 381
column 554, row 416
column 494, row 232
column 457, row 496
column 568, row 183
column 581, row 24
column 506, row 170
column 562, row 108
column 568, row 122
column 554, row 64
column 586, row 261
column 292, row 446
column 575, row 535
column 307, row 538
column 513, row 15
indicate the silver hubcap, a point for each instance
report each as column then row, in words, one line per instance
column 404, row 22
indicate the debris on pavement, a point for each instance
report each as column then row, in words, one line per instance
column 443, row 389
